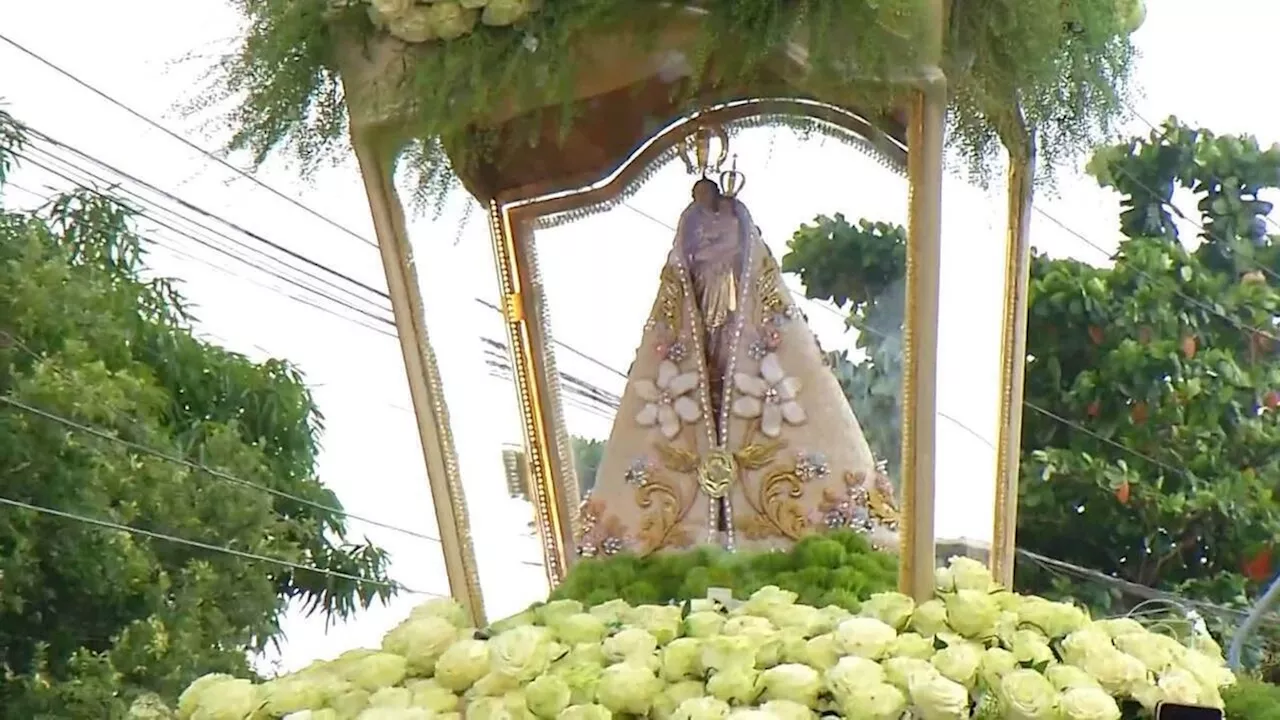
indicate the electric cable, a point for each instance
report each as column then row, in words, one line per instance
column 141, row 532
column 180, row 138
column 199, row 467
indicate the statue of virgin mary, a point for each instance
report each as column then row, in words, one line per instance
column 731, row 430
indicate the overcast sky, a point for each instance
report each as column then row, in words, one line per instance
column 602, row 271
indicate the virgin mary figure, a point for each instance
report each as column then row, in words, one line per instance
column 731, row 430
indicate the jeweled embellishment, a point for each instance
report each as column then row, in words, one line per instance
column 717, row 472
column 812, row 466
column 676, row 352
column 639, row 473
column 757, row 350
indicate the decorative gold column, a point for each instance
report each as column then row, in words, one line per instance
column 924, row 259
column 425, row 386
column 1013, row 345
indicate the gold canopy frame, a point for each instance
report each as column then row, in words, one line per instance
column 513, row 216
column 612, row 91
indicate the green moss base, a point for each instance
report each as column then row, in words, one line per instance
column 836, row 568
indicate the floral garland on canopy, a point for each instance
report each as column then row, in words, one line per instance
column 975, row 651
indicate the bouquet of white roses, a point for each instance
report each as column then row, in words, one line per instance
column 975, row 650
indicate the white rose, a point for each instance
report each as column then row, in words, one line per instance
column 612, row 611
column 937, row 698
column 768, row 600
column 681, row 659
column 703, row 624
column 821, row 652
column 1085, row 641
column 787, row 710
column 465, row 662
column 628, row 688
column 763, row 635
column 521, row 653
column 943, row 582
column 959, row 662
column 1088, row 703
column 630, row 644
column 1031, row 647
column 969, row 574
column 865, row 637
column 1027, row 695
column 662, row 621
column 703, row 708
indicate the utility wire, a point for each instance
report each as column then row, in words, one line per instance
column 180, row 138
column 192, row 465
column 109, row 525
column 143, row 212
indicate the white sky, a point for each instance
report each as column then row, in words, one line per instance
column 601, row 270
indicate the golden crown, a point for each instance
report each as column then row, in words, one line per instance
column 696, row 152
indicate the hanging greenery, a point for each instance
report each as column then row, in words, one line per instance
column 1065, row 62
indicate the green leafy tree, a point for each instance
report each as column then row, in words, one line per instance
column 1150, row 446
column 587, row 454
column 91, row 617
column 863, row 267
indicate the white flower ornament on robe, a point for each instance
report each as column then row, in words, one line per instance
column 666, row 401
column 771, row 396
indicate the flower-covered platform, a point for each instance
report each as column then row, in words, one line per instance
column 974, row 651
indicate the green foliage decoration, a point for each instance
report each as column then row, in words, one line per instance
column 862, row 266
column 1067, row 64
column 1252, row 699
column 587, row 454
column 1151, row 440
column 835, row 568
column 89, row 617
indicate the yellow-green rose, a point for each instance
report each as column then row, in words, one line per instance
column 671, row 697
column 787, row 710
column 735, row 685
column 219, row 696
column 1115, row 671
column 444, row 608
column 891, row 608
column 465, row 662
column 433, row 696
column 1066, row 677
column 1210, row 671
column 969, row 574
column 876, row 701
column 293, row 694
column 764, row 636
column 972, row 613
column 865, row 637
column 959, row 662
column 553, row 612
column 1085, row 641
column 582, row 675
column 628, row 687
column 521, row 653
column 853, row 672
column 1088, row 703
column 821, row 652
column 830, row 618
column 1115, row 627
column 767, row 600
column 421, row 641
column 630, row 644
column 579, row 628
column 723, row 652
column 1147, row 694
column 547, row 696
column 1148, row 648
column 1179, row 686
column 929, row 618
column 611, row 612
column 901, row 671
column 911, row 645
column 681, row 659
column 703, row 624
column 377, row 670
column 996, row 663
column 802, row 619
column 792, row 681
column 703, row 708
column 943, row 582
column 1027, row 695
column 490, row 708
column 937, row 698
column 662, row 621
column 792, row 647
column 585, row 712
column 1055, row 619
column 1030, row 647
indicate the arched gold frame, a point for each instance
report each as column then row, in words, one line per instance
column 512, row 218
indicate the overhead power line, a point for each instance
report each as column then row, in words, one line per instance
column 180, row 138
column 280, row 562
